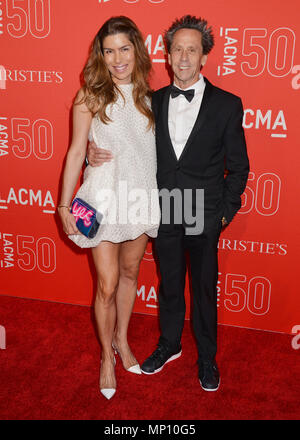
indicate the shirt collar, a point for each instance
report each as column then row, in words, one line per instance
column 198, row 86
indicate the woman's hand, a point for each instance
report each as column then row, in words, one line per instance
column 68, row 221
column 97, row 156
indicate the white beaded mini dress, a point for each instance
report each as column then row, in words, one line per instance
column 124, row 190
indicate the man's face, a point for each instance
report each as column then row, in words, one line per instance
column 186, row 57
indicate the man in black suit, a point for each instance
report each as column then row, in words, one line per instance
column 198, row 133
column 200, row 146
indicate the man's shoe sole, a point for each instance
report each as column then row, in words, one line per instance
column 210, row 389
column 172, row 358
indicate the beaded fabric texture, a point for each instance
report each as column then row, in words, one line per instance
column 124, row 189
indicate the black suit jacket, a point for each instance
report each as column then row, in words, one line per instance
column 216, row 143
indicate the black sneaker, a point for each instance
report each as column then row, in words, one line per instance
column 209, row 376
column 161, row 356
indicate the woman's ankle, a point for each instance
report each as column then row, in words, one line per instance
column 120, row 340
column 107, row 355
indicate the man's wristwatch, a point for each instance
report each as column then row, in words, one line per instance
column 224, row 221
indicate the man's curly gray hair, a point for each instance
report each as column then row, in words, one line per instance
column 191, row 22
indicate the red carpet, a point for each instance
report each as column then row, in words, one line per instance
column 50, row 370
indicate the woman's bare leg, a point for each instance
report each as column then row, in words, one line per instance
column 106, row 260
column 131, row 254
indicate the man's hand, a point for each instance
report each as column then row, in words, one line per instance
column 97, row 156
column 224, row 222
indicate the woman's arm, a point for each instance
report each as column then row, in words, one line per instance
column 82, row 118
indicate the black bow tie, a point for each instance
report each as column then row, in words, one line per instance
column 189, row 94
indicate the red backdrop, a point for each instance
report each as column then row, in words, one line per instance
column 44, row 45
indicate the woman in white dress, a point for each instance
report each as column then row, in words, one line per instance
column 113, row 108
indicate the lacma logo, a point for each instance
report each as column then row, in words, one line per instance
column 272, row 121
column 156, row 48
column 28, row 197
column 148, row 296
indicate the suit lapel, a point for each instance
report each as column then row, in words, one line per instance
column 165, row 114
column 201, row 116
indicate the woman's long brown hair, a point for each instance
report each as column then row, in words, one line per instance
column 99, row 88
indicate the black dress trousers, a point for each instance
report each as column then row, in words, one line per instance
column 171, row 246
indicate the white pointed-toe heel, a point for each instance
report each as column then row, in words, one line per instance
column 108, row 393
column 136, row 369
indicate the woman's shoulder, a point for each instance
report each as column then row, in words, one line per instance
column 85, row 101
column 80, row 96
column 80, row 99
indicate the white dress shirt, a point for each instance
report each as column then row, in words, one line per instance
column 183, row 115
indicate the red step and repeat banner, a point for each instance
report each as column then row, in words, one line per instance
column 43, row 48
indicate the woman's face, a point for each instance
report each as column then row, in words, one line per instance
column 119, row 57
